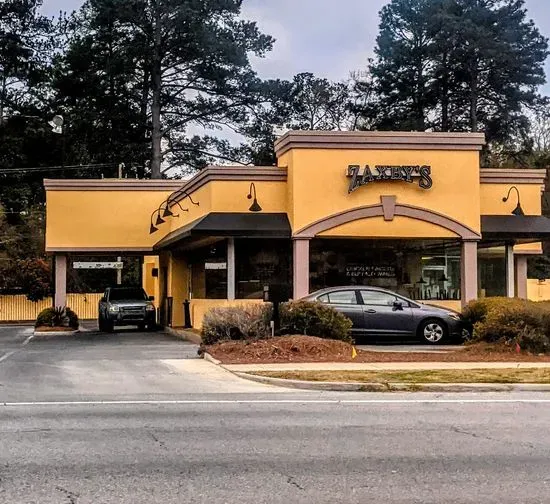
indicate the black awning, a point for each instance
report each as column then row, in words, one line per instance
column 238, row 225
column 510, row 227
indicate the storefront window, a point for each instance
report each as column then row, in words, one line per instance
column 492, row 271
column 209, row 271
column 418, row 269
column 260, row 263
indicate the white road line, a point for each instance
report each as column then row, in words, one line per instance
column 7, row 355
column 282, row 401
column 27, row 340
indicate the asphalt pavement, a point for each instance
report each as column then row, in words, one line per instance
column 182, row 435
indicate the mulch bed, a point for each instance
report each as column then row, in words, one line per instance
column 310, row 349
column 54, row 329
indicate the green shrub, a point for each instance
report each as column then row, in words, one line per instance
column 511, row 321
column 57, row 317
column 236, row 323
column 314, row 319
column 477, row 310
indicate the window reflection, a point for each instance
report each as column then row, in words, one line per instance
column 418, row 269
column 492, row 271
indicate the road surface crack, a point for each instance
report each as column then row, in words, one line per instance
column 290, row 480
column 489, row 438
column 71, row 496
column 157, row 440
column 472, row 434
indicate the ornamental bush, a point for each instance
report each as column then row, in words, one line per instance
column 236, row 323
column 314, row 319
column 511, row 321
column 57, row 317
column 253, row 322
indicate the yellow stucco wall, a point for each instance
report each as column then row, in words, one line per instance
column 400, row 227
column 100, row 219
column 150, row 283
column 178, row 288
column 320, row 186
column 492, row 194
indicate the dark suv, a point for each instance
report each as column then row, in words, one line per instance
column 123, row 306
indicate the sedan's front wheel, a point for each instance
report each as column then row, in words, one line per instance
column 432, row 332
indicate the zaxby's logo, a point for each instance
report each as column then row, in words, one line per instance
column 404, row 173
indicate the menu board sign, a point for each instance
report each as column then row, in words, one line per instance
column 370, row 271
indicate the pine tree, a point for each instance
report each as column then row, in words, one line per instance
column 458, row 65
column 25, row 51
column 191, row 69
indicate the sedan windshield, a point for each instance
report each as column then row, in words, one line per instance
column 119, row 294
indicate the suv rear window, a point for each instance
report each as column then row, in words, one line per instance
column 130, row 294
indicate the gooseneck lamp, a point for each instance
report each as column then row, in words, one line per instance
column 518, row 211
column 255, row 207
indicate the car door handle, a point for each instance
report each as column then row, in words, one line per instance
column 370, row 311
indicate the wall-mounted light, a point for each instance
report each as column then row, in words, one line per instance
column 153, row 228
column 255, row 207
column 518, row 210
column 173, row 199
column 168, row 212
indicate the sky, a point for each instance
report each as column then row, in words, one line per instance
column 329, row 38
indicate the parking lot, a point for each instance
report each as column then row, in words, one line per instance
column 126, row 364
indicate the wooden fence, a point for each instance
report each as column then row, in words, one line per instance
column 20, row 309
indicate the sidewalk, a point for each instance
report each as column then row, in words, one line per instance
column 382, row 366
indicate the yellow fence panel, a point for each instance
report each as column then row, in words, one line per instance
column 538, row 290
column 20, row 309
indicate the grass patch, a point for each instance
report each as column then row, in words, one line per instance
column 531, row 375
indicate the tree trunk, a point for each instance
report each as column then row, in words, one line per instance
column 473, row 99
column 420, row 123
column 2, row 97
column 156, row 85
column 143, row 114
column 445, row 126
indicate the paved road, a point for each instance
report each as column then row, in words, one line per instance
column 275, row 452
column 171, row 433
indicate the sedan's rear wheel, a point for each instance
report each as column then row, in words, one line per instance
column 433, row 332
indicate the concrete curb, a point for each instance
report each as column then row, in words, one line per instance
column 184, row 335
column 48, row 334
column 395, row 387
column 213, row 360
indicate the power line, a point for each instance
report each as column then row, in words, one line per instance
column 58, row 168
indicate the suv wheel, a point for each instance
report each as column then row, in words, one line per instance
column 433, row 331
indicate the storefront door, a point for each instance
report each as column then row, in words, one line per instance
column 382, row 318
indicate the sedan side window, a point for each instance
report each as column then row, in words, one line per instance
column 323, row 298
column 342, row 297
column 378, row 298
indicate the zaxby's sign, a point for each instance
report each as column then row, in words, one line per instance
column 423, row 174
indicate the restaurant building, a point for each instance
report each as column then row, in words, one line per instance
column 410, row 212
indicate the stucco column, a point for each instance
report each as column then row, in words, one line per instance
column 301, row 267
column 510, row 271
column 468, row 272
column 521, row 276
column 60, row 299
column 231, row 269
